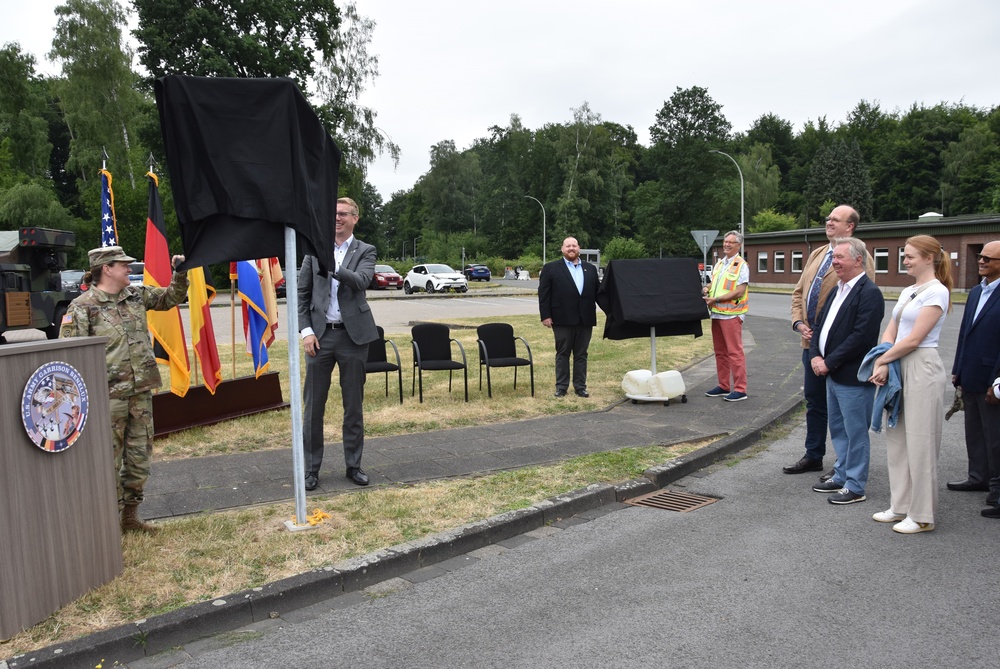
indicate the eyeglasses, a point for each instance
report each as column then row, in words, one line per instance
column 830, row 219
column 986, row 259
column 345, row 214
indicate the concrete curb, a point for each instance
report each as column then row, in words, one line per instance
column 148, row 637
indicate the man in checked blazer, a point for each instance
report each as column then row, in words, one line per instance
column 336, row 325
column 975, row 358
column 567, row 303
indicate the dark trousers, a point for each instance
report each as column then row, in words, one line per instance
column 336, row 348
column 814, row 389
column 982, row 440
column 575, row 340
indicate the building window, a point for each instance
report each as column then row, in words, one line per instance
column 901, row 268
column 881, row 261
column 779, row 261
column 762, row 261
column 797, row 262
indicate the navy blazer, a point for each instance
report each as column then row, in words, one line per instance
column 978, row 350
column 854, row 331
column 559, row 299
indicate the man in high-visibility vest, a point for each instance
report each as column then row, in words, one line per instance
column 726, row 297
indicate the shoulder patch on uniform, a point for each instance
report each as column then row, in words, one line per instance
column 67, row 319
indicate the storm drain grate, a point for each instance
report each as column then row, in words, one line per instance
column 671, row 500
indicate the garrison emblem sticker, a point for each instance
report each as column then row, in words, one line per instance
column 54, row 406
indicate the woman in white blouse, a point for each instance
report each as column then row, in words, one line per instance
column 914, row 443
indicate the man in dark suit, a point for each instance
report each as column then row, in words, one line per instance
column 975, row 358
column 336, row 325
column 846, row 329
column 567, row 302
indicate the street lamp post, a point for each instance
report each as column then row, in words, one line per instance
column 543, row 224
column 742, row 204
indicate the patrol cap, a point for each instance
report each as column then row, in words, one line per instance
column 107, row 254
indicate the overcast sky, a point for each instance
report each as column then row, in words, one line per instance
column 450, row 69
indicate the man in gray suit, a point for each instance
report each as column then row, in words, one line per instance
column 336, row 326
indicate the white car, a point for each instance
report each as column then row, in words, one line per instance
column 434, row 279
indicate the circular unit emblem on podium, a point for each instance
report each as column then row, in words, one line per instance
column 54, row 406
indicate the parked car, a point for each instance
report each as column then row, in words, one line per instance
column 386, row 277
column 434, row 278
column 71, row 278
column 477, row 272
column 706, row 274
column 135, row 271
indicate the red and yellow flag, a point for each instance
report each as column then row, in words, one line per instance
column 166, row 327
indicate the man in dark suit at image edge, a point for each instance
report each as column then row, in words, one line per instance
column 567, row 303
column 976, row 359
column 336, row 325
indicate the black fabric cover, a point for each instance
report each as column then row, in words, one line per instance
column 663, row 292
column 246, row 158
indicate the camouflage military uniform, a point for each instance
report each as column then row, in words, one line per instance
column 132, row 370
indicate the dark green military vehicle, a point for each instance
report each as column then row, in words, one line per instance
column 31, row 290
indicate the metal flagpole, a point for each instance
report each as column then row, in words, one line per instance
column 294, row 380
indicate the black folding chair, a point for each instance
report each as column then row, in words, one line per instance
column 378, row 361
column 432, row 351
column 498, row 348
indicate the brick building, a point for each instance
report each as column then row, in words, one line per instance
column 776, row 258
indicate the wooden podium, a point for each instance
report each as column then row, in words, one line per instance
column 60, row 534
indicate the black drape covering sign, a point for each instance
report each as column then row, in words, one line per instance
column 665, row 293
column 247, row 157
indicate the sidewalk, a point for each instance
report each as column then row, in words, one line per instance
column 213, row 483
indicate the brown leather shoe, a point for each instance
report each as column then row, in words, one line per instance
column 131, row 522
column 804, row 465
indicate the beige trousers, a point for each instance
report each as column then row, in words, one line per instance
column 913, row 445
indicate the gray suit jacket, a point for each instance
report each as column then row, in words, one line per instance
column 354, row 275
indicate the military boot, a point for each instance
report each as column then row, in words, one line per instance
column 131, row 522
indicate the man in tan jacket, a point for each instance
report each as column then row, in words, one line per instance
column 810, row 294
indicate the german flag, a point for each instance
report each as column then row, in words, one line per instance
column 167, row 329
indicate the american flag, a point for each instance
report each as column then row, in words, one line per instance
column 109, row 227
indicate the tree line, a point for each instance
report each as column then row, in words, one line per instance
column 56, row 132
column 599, row 184
column 591, row 177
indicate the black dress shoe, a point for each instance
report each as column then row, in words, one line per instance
column 826, row 477
column 992, row 512
column 560, row 393
column 582, row 393
column 358, row 476
column 968, row 486
column 804, row 465
column 312, row 480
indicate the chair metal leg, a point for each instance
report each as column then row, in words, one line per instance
column 489, row 381
column 399, row 370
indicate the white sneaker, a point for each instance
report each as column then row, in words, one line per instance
column 887, row 516
column 910, row 526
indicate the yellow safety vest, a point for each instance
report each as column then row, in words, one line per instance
column 724, row 281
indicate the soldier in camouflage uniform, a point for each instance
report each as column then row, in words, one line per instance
column 114, row 309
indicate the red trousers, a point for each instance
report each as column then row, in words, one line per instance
column 730, row 361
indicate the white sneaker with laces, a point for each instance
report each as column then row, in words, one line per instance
column 910, row 526
column 887, row 516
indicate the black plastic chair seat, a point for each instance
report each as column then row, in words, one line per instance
column 438, row 365
column 509, row 362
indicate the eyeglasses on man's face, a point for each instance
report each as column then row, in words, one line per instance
column 985, row 259
column 345, row 214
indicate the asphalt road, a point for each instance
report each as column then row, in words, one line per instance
column 396, row 312
column 769, row 576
